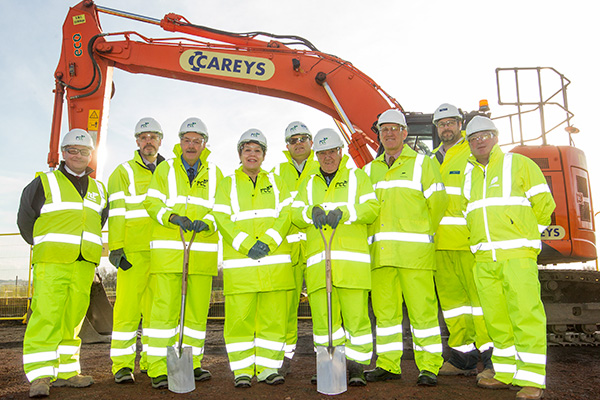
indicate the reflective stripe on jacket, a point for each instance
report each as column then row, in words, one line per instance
column 129, row 224
column 170, row 192
column 508, row 205
column 452, row 234
column 245, row 213
column 413, row 202
column 350, row 191
column 69, row 225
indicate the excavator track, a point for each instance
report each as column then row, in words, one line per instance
column 572, row 302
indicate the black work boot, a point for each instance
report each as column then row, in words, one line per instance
column 356, row 374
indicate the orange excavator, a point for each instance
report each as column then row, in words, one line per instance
column 288, row 67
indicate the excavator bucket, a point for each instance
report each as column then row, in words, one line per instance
column 97, row 326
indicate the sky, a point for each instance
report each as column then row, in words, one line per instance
column 423, row 53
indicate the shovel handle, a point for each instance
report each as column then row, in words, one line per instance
column 184, row 283
column 328, row 284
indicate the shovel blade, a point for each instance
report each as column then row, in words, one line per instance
column 331, row 370
column 180, row 370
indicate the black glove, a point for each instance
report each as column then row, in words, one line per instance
column 319, row 217
column 118, row 259
column 334, row 217
column 199, row 226
column 184, row 222
column 259, row 250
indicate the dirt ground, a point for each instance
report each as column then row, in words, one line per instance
column 573, row 373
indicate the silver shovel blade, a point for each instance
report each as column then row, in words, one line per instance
column 180, row 370
column 331, row 370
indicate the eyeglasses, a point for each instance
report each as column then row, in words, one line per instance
column 73, row 151
column 481, row 137
column 449, row 123
column 301, row 139
column 393, row 129
column 148, row 137
column 195, row 142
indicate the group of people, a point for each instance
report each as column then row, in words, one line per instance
column 465, row 221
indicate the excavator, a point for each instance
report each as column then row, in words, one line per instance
column 291, row 67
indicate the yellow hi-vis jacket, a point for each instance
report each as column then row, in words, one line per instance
column 288, row 172
column 351, row 192
column 129, row 225
column 170, row 193
column 508, row 204
column 413, row 202
column 452, row 234
column 246, row 212
column 68, row 225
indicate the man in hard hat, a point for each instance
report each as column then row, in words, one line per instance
column 252, row 211
column 301, row 163
column 413, row 200
column 129, row 228
column 180, row 196
column 508, row 204
column 455, row 262
column 61, row 215
column 341, row 199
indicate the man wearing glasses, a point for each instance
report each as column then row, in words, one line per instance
column 129, row 229
column 455, row 262
column 301, row 164
column 508, row 204
column 61, row 215
column 181, row 195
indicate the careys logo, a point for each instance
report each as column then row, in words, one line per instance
column 232, row 65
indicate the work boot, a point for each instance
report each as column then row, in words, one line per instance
column 286, row 367
column 313, row 379
column 77, row 381
column 486, row 373
column 356, row 374
column 427, row 378
column 274, row 379
column 124, row 375
column 448, row 369
column 202, row 375
column 40, row 388
column 530, row 392
column 492, row 383
column 243, row 381
column 380, row 374
column 160, row 382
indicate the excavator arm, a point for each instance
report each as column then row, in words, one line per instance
column 210, row 57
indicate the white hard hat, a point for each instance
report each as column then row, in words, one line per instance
column 296, row 128
column 148, row 125
column 252, row 135
column 327, row 139
column 480, row 124
column 391, row 116
column 77, row 137
column 446, row 111
column 193, row 124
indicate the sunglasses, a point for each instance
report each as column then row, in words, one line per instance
column 300, row 139
column 73, row 151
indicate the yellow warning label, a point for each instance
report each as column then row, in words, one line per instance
column 93, row 120
column 79, row 19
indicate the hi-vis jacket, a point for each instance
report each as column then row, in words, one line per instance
column 413, row 202
column 351, row 192
column 129, row 225
column 288, row 172
column 68, row 225
column 245, row 213
column 452, row 234
column 170, row 193
column 508, row 204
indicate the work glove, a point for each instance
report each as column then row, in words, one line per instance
column 199, row 226
column 259, row 250
column 118, row 259
column 184, row 222
column 319, row 217
column 334, row 217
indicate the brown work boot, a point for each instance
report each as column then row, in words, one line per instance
column 448, row 369
column 40, row 388
column 492, row 383
column 486, row 373
column 530, row 392
column 77, row 381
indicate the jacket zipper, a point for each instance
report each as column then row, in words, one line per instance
column 485, row 217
